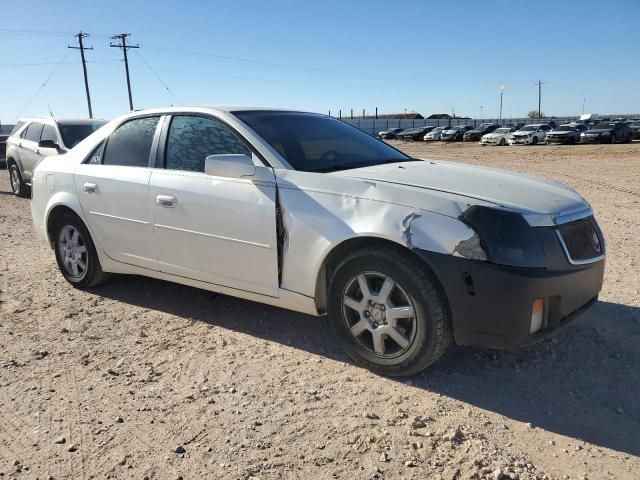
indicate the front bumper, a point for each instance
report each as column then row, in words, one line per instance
column 491, row 141
column 560, row 140
column 491, row 305
column 521, row 141
column 598, row 139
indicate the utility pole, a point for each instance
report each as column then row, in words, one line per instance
column 82, row 48
column 501, row 93
column 583, row 101
column 539, row 83
column 481, row 107
column 123, row 45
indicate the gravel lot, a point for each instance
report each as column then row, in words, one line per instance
column 145, row 379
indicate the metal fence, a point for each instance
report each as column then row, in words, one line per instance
column 373, row 126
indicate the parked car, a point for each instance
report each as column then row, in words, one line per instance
column 434, row 134
column 235, row 201
column 389, row 133
column 476, row 134
column 635, row 128
column 3, row 149
column 455, row 134
column 608, row 132
column 566, row 134
column 530, row 134
column 500, row 136
column 36, row 138
column 416, row 133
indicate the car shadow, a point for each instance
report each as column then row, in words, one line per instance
column 583, row 383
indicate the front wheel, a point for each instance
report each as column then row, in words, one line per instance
column 388, row 312
column 534, row 141
column 75, row 253
column 502, row 142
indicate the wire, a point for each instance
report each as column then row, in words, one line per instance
column 47, row 33
column 43, row 85
column 158, row 77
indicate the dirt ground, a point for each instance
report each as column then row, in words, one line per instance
column 145, row 379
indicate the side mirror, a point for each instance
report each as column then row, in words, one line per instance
column 236, row 166
column 48, row 144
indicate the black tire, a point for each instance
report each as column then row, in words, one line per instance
column 534, row 141
column 92, row 274
column 18, row 187
column 630, row 138
column 430, row 332
column 572, row 140
column 502, row 142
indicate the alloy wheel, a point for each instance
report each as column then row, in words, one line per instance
column 379, row 314
column 73, row 251
column 15, row 180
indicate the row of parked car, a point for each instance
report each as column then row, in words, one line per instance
column 521, row 134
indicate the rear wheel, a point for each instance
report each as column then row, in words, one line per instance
column 387, row 312
column 75, row 253
column 18, row 187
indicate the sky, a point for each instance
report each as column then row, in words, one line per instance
column 423, row 56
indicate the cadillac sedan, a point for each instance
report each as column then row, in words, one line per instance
column 304, row 212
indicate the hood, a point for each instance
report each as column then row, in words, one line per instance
column 475, row 185
column 562, row 132
column 598, row 131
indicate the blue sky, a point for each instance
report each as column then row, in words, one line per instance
column 325, row 55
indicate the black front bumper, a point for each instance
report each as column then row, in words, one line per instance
column 561, row 140
column 491, row 305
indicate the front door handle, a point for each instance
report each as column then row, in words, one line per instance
column 166, row 201
column 90, row 188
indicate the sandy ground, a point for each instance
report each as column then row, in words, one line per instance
column 145, row 379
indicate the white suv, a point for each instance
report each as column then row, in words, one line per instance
column 530, row 134
column 35, row 138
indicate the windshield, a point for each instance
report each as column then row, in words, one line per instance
column 502, row 130
column 604, row 126
column 316, row 143
column 566, row 128
column 437, row 130
column 74, row 134
column 529, row 128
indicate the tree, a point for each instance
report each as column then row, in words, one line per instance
column 534, row 114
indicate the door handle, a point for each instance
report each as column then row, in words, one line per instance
column 166, row 201
column 90, row 188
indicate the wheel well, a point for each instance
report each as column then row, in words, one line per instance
column 347, row 247
column 57, row 212
column 10, row 161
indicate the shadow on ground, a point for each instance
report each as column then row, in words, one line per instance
column 584, row 383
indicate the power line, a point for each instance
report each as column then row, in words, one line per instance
column 158, row 77
column 43, row 85
column 123, row 45
column 82, row 48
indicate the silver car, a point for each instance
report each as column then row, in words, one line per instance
column 36, row 138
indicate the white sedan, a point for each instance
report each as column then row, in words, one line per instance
column 305, row 212
column 499, row 136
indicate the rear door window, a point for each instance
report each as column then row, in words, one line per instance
column 33, row 132
column 130, row 144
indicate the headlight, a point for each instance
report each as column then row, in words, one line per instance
column 505, row 236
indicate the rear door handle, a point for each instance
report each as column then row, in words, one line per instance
column 90, row 187
column 166, row 201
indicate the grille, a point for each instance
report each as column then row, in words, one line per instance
column 581, row 240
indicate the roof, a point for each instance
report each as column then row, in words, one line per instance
column 62, row 121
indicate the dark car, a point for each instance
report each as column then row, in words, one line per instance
column 390, row 133
column 416, row 133
column 476, row 134
column 608, row 132
column 566, row 134
column 635, row 128
column 3, row 149
column 455, row 134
